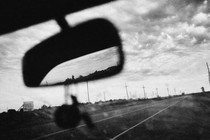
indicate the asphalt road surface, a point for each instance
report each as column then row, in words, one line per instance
column 185, row 117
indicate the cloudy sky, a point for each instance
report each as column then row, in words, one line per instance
column 166, row 45
column 83, row 66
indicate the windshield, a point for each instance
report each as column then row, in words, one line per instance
column 166, row 46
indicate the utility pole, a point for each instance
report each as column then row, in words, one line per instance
column 168, row 91
column 126, row 89
column 144, row 92
column 88, row 93
column 66, row 93
column 208, row 72
column 157, row 92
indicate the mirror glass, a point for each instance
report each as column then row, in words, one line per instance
column 84, row 68
column 88, row 51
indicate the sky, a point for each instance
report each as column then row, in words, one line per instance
column 166, row 45
column 83, row 66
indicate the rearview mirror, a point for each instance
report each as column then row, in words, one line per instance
column 89, row 51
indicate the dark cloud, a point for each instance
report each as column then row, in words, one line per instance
column 195, row 2
column 201, row 39
column 159, row 13
column 151, row 73
column 167, row 14
column 177, row 52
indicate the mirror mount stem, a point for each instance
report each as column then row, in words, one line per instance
column 61, row 21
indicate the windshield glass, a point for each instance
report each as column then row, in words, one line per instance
column 166, row 46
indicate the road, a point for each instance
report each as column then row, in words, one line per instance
column 185, row 117
column 112, row 123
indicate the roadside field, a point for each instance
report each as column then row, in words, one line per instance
column 109, row 128
column 184, row 117
column 98, row 113
column 188, row 120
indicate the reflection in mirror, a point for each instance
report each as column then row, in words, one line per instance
column 71, row 43
column 83, row 68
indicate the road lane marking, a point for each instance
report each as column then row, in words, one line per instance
column 125, row 108
column 144, row 121
column 114, row 110
column 61, row 131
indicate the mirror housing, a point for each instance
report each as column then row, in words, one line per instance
column 85, row 38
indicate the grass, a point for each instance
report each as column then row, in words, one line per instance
column 186, row 120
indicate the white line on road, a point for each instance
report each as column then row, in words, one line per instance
column 125, row 108
column 54, row 133
column 51, row 134
column 143, row 121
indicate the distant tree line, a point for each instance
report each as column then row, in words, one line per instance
column 95, row 75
